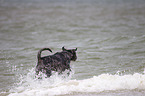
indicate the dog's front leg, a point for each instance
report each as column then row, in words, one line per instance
column 68, row 67
column 69, row 72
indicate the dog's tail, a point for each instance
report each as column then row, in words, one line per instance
column 40, row 51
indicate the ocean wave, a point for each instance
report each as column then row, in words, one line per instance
column 58, row 85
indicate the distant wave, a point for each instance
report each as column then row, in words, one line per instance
column 57, row 85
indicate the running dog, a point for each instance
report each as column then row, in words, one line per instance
column 58, row 62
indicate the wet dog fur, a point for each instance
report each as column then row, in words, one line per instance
column 58, row 62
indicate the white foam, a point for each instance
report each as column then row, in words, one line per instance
column 56, row 85
column 144, row 71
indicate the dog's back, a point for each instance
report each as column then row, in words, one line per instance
column 59, row 62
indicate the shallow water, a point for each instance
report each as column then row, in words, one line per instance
column 109, row 35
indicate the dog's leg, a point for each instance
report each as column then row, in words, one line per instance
column 48, row 73
column 68, row 67
column 48, row 70
column 69, row 72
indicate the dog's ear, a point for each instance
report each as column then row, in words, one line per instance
column 74, row 49
column 63, row 48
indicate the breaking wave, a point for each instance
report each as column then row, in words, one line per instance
column 61, row 85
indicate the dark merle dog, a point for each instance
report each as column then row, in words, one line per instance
column 59, row 62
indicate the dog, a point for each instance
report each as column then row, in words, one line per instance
column 58, row 62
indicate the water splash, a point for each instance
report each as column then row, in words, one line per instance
column 60, row 85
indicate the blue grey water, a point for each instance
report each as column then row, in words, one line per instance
column 109, row 35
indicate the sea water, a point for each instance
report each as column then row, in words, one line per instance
column 109, row 35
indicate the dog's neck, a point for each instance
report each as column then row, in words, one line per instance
column 69, row 54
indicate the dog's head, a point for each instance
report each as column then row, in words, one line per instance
column 73, row 53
